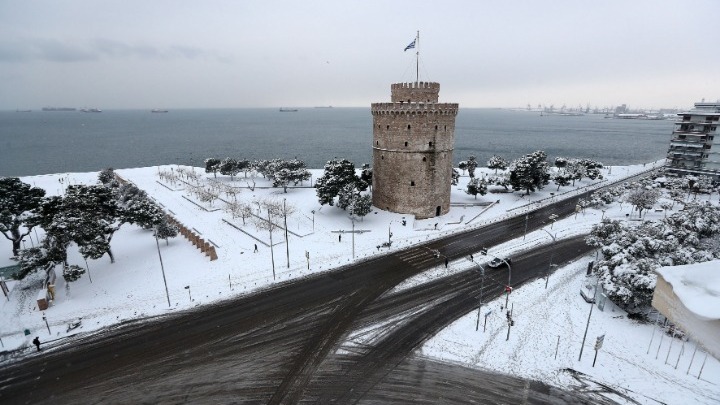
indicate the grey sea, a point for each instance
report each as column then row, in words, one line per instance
column 43, row 142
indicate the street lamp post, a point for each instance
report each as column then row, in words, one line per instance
column 187, row 287
column 352, row 219
column 162, row 268
column 552, row 254
column 482, row 286
column 313, row 214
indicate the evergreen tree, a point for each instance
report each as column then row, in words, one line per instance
column 530, row 172
column 562, row 178
column 229, row 167
column 338, row 173
column 107, row 176
column 476, row 186
column 471, row 165
column 360, row 205
column 72, row 273
column 212, row 165
column 496, row 162
column 463, row 166
column 165, row 230
column 17, row 203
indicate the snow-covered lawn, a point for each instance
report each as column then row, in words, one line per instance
column 133, row 286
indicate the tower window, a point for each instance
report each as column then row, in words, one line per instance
column 405, row 143
column 387, row 127
column 430, row 144
column 412, row 183
column 436, row 127
column 445, row 127
column 382, row 157
column 424, row 159
column 377, row 143
column 408, row 126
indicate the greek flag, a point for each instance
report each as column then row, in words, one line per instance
column 411, row 45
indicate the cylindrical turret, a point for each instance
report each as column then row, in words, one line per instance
column 413, row 142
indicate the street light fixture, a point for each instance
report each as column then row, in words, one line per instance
column 552, row 254
column 482, row 286
column 187, row 287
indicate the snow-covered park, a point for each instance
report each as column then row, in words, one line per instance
column 636, row 359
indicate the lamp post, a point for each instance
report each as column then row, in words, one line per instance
column 162, row 268
column 352, row 219
column 187, row 287
column 313, row 219
column 482, row 286
column 552, row 254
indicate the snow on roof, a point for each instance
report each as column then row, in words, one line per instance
column 697, row 286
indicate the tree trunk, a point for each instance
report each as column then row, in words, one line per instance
column 112, row 258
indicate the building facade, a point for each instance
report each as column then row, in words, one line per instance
column 694, row 147
column 413, row 142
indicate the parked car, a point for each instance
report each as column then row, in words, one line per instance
column 497, row 262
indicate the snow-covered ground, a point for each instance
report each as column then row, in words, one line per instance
column 133, row 287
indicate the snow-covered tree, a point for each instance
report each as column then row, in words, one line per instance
column 165, row 230
column 643, row 199
column 561, row 162
column 142, row 212
column 229, row 167
column 471, row 165
column 360, row 205
column 17, row 203
column 454, row 177
column 367, row 174
column 285, row 176
column 631, row 253
column 107, row 176
column 562, row 178
column 463, row 166
column 338, row 174
column 72, row 273
column 212, row 165
column 476, row 186
column 496, row 162
column 530, row 172
column 502, row 179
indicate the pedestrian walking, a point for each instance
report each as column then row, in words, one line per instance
column 339, row 237
column 446, row 262
column 255, row 248
column 471, row 258
column 36, row 342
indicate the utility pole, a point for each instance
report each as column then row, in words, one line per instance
column 482, row 285
column 162, row 268
column 287, row 242
column 586, row 331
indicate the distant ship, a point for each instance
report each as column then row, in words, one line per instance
column 324, row 106
column 59, row 109
column 156, row 110
column 91, row 110
column 288, row 109
column 23, row 110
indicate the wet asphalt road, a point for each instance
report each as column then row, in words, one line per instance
column 279, row 345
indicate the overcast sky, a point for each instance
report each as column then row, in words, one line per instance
column 216, row 54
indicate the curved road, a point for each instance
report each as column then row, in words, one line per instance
column 279, row 345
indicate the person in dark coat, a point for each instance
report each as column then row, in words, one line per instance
column 446, row 262
column 36, row 342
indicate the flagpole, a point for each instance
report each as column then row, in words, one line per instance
column 417, row 57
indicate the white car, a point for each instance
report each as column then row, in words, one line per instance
column 497, row 262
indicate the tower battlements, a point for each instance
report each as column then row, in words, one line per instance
column 414, row 108
column 415, row 92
